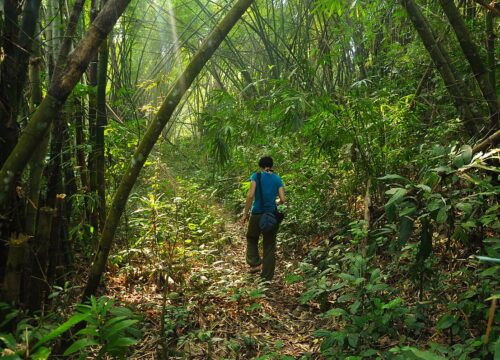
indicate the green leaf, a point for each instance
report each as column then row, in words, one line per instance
column 308, row 296
column 8, row 317
column 488, row 259
column 354, row 307
column 491, row 271
column 327, row 342
column 465, row 207
column 336, row 312
column 108, row 333
column 375, row 274
column 397, row 196
column 115, row 320
column 445, row 322
column 72, row 321
column 408, row 210
column 293, row 278
column 424, row 187
column 463, row 157
column 347, row 277
column 42, row 353
column 9, row 340
column 121, row 311
column 434, row 204
column 254, row 306
column 394, row 177
column 352, row 339
column 322, row 333
column 493, row 297
column 345, row 298
column 79, row 345
column 442, row 215
column 426, row 355
column 392, row 304
column 443, row 169
column 369, row 352
column 121, row 342
column 405, row 229
column 89, row 330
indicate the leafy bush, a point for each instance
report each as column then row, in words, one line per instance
column 107, row 330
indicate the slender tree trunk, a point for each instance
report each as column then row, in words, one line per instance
column 206, row 50
column 490, row 48
column 92, row 116
column 79, row 144
column 70, row 187
column 38, row 283
column 36, row 162
column 8, row 123
column 56, row 96
column 15, row 261
column 8, row 84
column 471, row 53
column 24, row 50
column 67, row 40
column 421, row 84
column 454, row 85
column 55, row 261
column 101, row 122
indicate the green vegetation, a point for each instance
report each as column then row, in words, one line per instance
column 124, row 168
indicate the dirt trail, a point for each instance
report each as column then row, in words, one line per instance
column 221, row 311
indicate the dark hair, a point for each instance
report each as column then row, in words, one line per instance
column 266, row 162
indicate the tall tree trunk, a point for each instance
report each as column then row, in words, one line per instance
column 24, row 49
column 57, row 94
column 101, row 122
column 79, row 144
column 36, row 162
column 55, row 261
column 472, row 55
column 183, row 82
column 490, row 48
column 454, row 85
column 70, row 187
column 40, row 246
column 14, row 271
column 92, row 116
column 8, row 83
column 8, row 123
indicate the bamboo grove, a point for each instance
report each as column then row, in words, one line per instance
column 88, row 88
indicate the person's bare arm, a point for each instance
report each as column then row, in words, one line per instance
column 281, row 195
column 248, row 203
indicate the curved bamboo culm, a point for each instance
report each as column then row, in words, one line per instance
column 472, row 55
column 59, row 90
column 454, row 85
column 183, row 82
column 490, row 141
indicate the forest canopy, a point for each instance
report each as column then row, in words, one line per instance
column 129, row 130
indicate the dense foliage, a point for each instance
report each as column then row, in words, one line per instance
column 382, row 118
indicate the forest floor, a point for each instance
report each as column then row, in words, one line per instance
column 217, row 310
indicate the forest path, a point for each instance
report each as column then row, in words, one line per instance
column 222, row 311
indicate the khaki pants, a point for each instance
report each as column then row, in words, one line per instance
column 269, row 252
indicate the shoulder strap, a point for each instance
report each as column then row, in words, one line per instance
column 259, row 183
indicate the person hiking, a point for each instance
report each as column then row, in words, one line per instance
column 265, row 186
